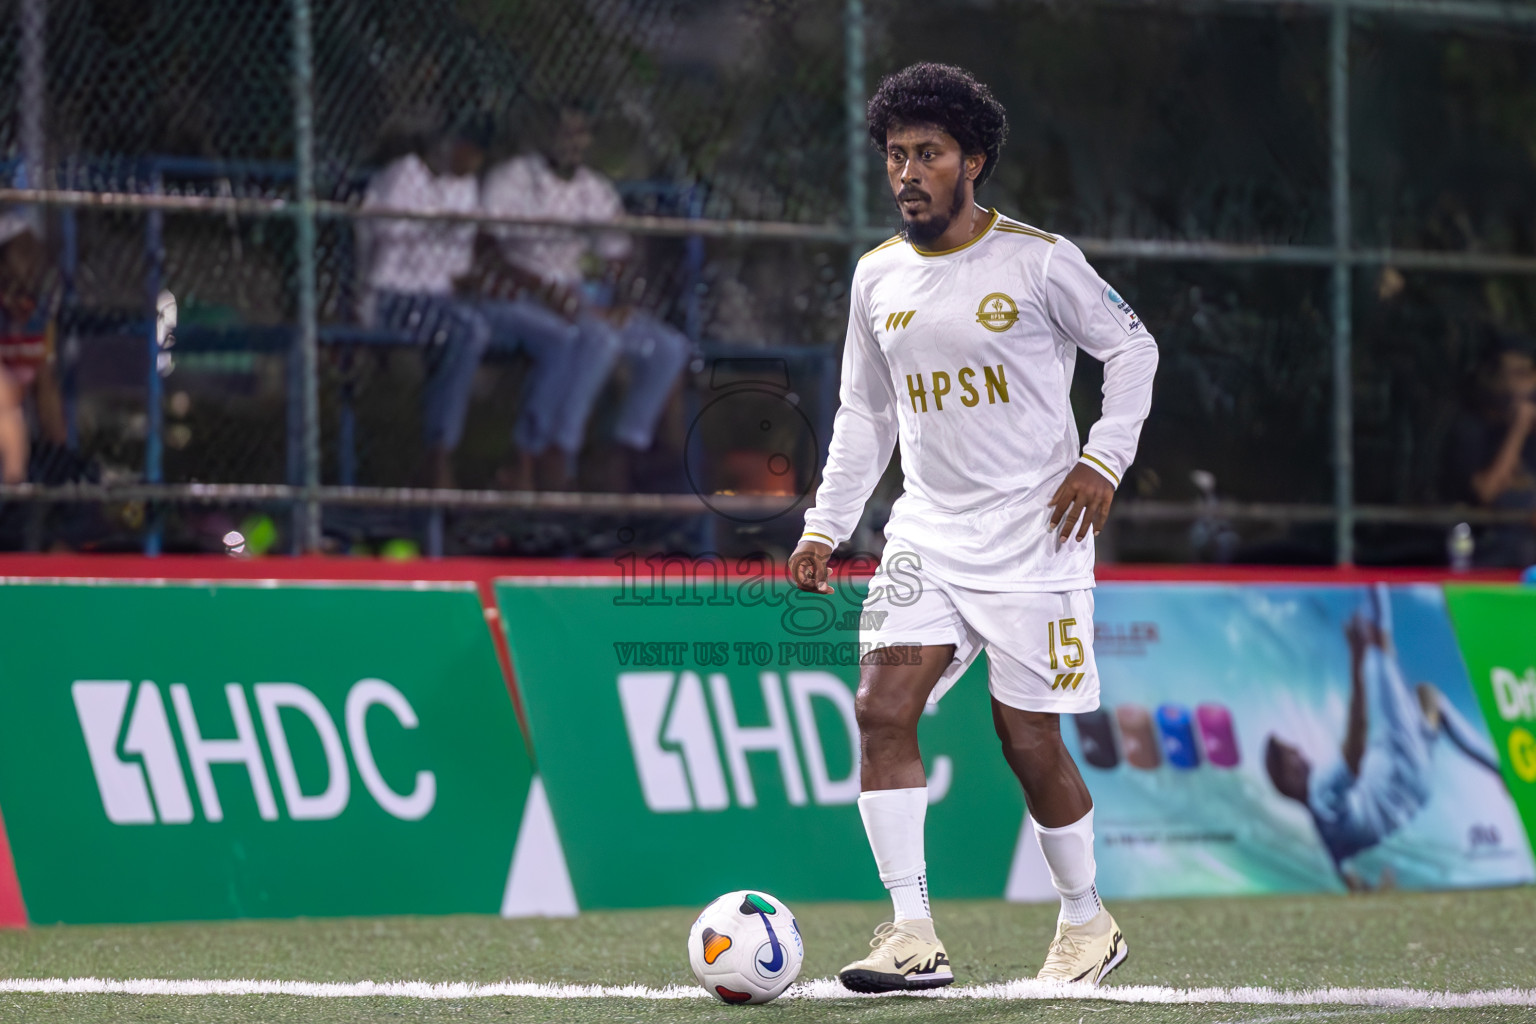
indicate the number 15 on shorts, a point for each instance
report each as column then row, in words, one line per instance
column 1069, row 654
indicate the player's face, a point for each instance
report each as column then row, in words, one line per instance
column 573, row 137
column 930, row 178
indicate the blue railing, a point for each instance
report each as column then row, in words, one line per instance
column 159, row 174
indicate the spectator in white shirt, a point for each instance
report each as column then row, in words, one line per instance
column 560, row 276
column 412, row 271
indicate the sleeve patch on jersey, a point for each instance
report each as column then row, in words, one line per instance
column 1121, row 310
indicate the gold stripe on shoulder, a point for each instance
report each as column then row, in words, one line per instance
column 1014, row 222
column 1026, row 231
column 883, row 245
column 1014, row 227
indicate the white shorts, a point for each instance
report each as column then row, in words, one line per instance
column 1039, row 645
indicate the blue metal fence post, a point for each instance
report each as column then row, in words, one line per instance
column 307, row 513
column 857, row 155
column 853, row 111
column 705, row 535
column 32, row 94
column 293, row 422
column 154, row 389
column 1343, row 420
column 69, row 354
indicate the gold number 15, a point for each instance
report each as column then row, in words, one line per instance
column 1067, row 640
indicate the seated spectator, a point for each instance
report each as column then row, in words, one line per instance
column 412, row 271
column 566, row 277
column 1493, row 450
column 27, row 314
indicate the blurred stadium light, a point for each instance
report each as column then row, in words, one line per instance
column 220, row 150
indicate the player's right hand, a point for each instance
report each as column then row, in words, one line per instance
column 808, row 566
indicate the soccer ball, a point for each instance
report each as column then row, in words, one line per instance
column 745, row 947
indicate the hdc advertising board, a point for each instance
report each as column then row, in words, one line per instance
column 193, row 752
column 693, row 748
column 703, row 740
column 196, row 752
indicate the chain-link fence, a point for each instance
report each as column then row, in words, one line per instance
column 1322, row 210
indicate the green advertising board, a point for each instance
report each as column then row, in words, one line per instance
column 698, row 739
column 174, row 752
column 693, row 744
column 1496, row 627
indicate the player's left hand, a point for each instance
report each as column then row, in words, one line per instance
column 1085, row 495
column 808, row 566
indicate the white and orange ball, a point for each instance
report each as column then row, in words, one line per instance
column 745, row 947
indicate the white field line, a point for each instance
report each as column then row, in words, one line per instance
column 822, row 988
column 1358, row 1011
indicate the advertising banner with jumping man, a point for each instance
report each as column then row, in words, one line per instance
column 1288, row 738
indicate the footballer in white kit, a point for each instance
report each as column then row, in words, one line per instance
column 963, row 333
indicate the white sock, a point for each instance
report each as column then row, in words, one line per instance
column 1069, row 854
column 910, row 897
column 893, row 820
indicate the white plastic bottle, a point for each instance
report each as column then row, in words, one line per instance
column 1459, row 546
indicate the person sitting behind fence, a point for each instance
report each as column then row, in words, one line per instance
column 1492, row 455
column 412, row 271
column 571, row 274
column 27, row 318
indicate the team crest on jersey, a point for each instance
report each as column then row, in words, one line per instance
column 997, row 312
column 1121, row 310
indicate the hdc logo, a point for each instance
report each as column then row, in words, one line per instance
column 151, row 750
column 677, row 742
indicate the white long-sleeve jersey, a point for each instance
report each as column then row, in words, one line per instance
column 967, row 357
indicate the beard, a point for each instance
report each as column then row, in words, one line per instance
column 925, row 233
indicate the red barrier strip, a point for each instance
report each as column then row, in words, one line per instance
column 482, row 571
column 13, row 912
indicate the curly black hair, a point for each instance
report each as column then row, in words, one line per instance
column 946, row 96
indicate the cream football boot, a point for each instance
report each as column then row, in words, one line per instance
column 1084, row 952
column 906, row 955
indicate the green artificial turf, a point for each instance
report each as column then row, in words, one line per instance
column 1445, row 941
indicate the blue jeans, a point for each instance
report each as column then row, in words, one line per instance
column 455, row 336
column 656, row 354
column 572, row 362
column 556, row 346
